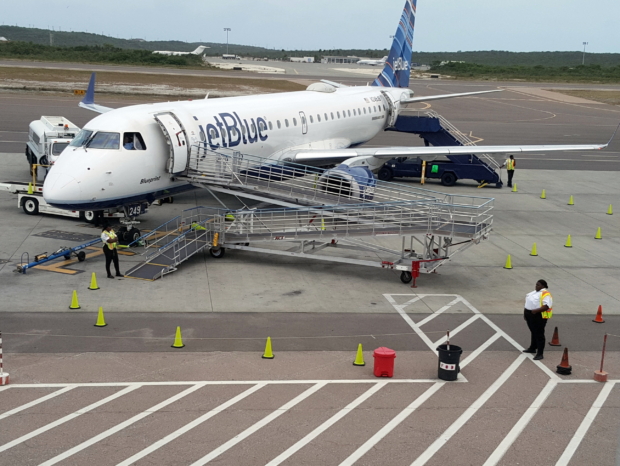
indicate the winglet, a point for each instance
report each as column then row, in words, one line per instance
column 612, row 137
column 88, row 102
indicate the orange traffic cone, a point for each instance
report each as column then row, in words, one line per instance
column 564, row 368
column 599, row 315
column 555, row 340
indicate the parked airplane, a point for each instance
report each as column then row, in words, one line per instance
column 198, row 51
column 131, row 155
column 373, row 62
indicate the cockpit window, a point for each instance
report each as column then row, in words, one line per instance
column 104, row 140
column 58, row 147
column 133, row 141
column 81, row 138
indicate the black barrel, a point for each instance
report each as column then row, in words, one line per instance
column 448, row 366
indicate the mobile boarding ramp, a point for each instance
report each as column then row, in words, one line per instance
column 427, row 232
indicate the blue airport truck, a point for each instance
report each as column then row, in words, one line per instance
column 436, row 131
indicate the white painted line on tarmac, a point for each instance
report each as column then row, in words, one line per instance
column 218, row 382
column 326, row 425
column 585, row 425
column 390, row 426
column 480, row 349
column 464, row 325
column 439, row 311
column 37, row 401
column 62, row 420
column 6, row 387
column 259, row 425
column 186, row 428
column 469, row 412
column 121, row 426
column 399, row 308
column 521, row 424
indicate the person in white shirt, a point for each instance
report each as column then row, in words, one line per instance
column 538, row 309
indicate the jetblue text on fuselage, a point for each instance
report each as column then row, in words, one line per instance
column 230, row 130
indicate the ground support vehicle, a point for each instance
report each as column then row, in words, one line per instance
column 437, row 131
column 47, row 138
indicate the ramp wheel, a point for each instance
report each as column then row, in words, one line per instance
column 31, row 206
column 81, row 255
column 217, row 253
column 405, row 277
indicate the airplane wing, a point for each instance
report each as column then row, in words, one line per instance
column 445, row 96
column 88, row 102
column 324, row 157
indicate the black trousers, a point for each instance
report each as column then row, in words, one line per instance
column 511, row 173
column 536, row 324
column 111, row 255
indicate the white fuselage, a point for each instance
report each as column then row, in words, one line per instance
column 264, row 125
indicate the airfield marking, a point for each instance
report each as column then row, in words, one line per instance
column 259, row 425
column 64, row 419
column 186, row 428
column 585, row 425
column 37, row 401
column 521, row 424
column 121, row 426
column 326, row 425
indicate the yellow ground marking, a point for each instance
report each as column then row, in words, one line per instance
column 60, row 267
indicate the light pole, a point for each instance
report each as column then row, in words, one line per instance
column 227, row 31
column 583, row 60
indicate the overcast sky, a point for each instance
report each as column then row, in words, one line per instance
column 441, row 25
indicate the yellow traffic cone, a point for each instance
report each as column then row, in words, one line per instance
column 571, row 201
column 543, row 195
column 359, row 358
column 508, row 263
column 534, row 251
column 30, row 189
column 268, row 354
column 610, row 211
column 100, row 319
column 74, row 301
column 569, row 243
column 93, row 282
column 514, row 188
column 178, row 341
column 598, row 234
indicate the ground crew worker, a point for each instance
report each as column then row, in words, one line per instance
column 110, row 241
column 538, row 310
column 510, row 168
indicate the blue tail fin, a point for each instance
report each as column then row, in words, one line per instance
column 397, row 67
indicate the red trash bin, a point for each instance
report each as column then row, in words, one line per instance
column 384, row 362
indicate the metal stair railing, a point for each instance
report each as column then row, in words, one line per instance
column 463, row 139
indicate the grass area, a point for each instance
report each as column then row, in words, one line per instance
column 538, row 73
column 110, row 80
column 608, row 97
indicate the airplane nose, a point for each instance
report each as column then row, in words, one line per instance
column 60, row 188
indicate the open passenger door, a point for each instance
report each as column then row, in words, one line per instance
column 177, row 141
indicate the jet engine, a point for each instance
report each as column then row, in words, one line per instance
column 349, row 182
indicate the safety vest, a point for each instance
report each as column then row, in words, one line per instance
column 510, row 164
column 546, row 314
column 110, row 234
column 196, row 226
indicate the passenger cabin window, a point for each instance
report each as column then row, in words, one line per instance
column 270, row 126
column 332, row 114
column 262, row 126
column 338, row 114
column 104, row 140
column 279, row 124
column 325, row 115
column 311, row 119
column 364, row 110
column 359, row 112
column 133, row 141
column 318, row 117
column 286, row 122
column 349, row 112
column 81, row 138
column 294, row 121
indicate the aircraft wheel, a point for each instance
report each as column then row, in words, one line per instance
column 133, row 235
column 217, row 253
column 385, row 174
column 405, row 277
column 31, row 206
column 448, row 179
column 88, row 216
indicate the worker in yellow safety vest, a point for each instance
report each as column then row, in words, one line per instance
column 538, row 310
column 110, row 243
column 510, row 165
